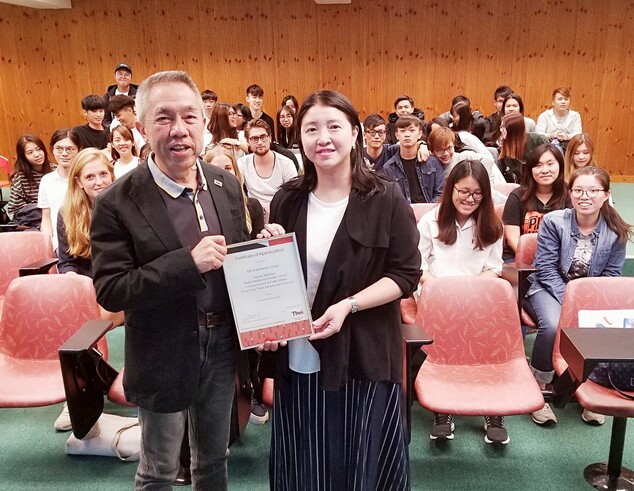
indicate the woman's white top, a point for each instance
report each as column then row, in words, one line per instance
column 322, row 222
column 121, row 169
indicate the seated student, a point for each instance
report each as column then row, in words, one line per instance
column 588, row 240
column 255, row 99
column 243, row 116
column 542, row 190
column 93, row 133
column 123, row 152
column 65, row 146
column 30, row 166
column 291, row 101
column 463, row 237
column 516, row 145
column 287, row 131
column 264, row 170
column 420, row 182
column 376, row 152
column 491, row 133
column 209, row 100
column 123, row 77
column 579, row 153
column 403, row 106
column 560, row 123
column 513, row 104
column 442, row 145
column 223, row 128
column 89, row 175
column 464, row 120
column 122, row 107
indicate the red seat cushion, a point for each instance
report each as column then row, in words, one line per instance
column 116, row 394
column 30, row 383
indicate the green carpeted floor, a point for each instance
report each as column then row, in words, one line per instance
column 32, row 453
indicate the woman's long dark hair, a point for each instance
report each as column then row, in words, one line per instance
column 363, row 179
column 612, row 218
column 515, row 142
column 219, row 125
column 287, row 137
column 530, row 186
column 488, row 228
column 22, row 165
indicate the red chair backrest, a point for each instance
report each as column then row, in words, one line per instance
column 473, row 321
column 42, row 311
column 422, row 208
column 602, row 293
column 505, row 187
column 526, row 248
column 17, row 249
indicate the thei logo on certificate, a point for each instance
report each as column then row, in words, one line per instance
column 267, row 290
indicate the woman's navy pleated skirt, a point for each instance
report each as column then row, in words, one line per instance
column 349, row 439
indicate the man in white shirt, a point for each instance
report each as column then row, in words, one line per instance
column 264, row 170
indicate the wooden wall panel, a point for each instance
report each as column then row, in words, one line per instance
column 374, row 51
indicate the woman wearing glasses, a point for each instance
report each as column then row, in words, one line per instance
column 585, row 241
column 287, row 134
column 223, row 125
column 542, row 190
column 65, row 146
column 463, row 237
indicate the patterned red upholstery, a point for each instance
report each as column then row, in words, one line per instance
column 525, row 255
column 40, row 313
column 595, row 294
column 17, row 249
column 267, row 391
column 421, row 208
column 476, row 365
column 115, row 394
column 505, row 187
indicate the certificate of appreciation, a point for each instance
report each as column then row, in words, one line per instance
column 267, row 290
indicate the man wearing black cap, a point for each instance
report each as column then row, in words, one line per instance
column 123, row 76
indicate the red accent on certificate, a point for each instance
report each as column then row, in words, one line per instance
column 267, row 290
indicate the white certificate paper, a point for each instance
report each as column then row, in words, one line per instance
column 267, row 290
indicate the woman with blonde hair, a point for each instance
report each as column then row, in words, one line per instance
column 580, row 152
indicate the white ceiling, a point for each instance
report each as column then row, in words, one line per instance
column 41, row 4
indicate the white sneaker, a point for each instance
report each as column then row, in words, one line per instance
column 62, row 423
column 544, row 416
column 592, row 418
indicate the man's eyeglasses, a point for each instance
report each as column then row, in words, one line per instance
column 590, row 193
column 464, row 194
column 374, row 133
column 61, row 150
column 262, row 138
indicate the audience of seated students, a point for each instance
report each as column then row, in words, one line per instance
column 559, row 123
column 542, row 190
column 585, row 241
column 65, row 146
column 463, row 237
column 420, row 182
column 124, row 86
column 513, row 104
column 89, row 175
column 30, row 166
column 579, row 153
column 255, row 100
column 290, row 101
column 464, row 120
column 209, row 100
column 403, row 106
column 492, row 131
column 122, row 106
column 264, row 170
column 445, row 146
column 516, row 145
column 223, row 128
column 287, row 131
column 123, row 151
column 93, row 133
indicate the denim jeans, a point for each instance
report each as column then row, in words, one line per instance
column 209, row 422
column 545, row 310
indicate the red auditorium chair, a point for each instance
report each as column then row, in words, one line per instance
column 602, row 293
column 476, row 364
column 505, row 187
column 40, row 313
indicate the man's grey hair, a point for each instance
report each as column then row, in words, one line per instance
column 160, row 78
